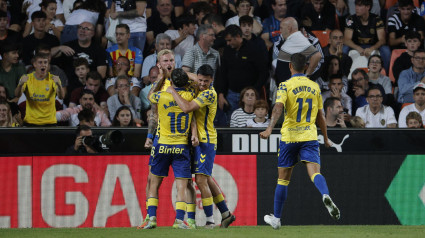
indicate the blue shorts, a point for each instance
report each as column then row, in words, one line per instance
column 308, row 151
column 175, row 155
column 154, row 144
column 204, row 158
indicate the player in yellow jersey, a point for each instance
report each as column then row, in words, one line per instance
column 40, row 88
column 302, row 100
column 205, row 107
column 172, row 148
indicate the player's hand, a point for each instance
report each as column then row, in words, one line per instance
column 195, row 140
column 170, row 90
column 56, row 79
column 328, row 143
column 148, row 143
column 265, row 134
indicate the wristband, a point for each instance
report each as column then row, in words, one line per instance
column 150, row 136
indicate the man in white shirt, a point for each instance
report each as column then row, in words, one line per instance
column 376, row 115
column 183, row 38
column 418, row 106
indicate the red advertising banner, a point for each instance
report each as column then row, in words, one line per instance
column 109, row 191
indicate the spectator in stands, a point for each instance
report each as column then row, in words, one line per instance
column 246, row 24
column 404, row 61
column 123, row 117
column 152, row 77
column 6, row 118
column 295, row 42
column 357, row 122
column 86, row 117
column 271, row 25
column 375, row 66
column 418, row 106
column 334, row 113
column 152, row 7
column 40, row 36
column 414, row 120
column 318, row 15
column 331, row 67
column 261, row 109
column 10, row 68
column 202, row 53
column 123, row 97
column 410, row 77
column 133, row 14
column 87, row 101
column 375, row 6
column 122, row 68
column 83, row 47
column 243, row 65
column 360, row 86
column 246, row 111
column 244, row 7
column 401, row 23
column 335, row 91
column 122, row 48
column 14, row 13
column 200, row 9
column 375, row 114
column 217, row 24
column 12, row 104
column 93, row 84
column 183, row 37
column 163, row 41
column 40, row 89
column 365, row 32
column 158, row 23
column 82, row 69
column 7, row 36
column 335, row 46
column 79, row 146
column 54, row 26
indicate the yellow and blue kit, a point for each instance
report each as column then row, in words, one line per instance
column 302, row 100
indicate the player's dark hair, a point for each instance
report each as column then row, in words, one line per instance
column 205, row 70
column 298, row 62
column 329, row 102
column 38, row 14
column 81, row 128
column 86, row 115
column 412, row 35
column 233, row 31
column 405, row 3
column 125, row 26
column 115, row 122
column 179, row 77
column 246, row 20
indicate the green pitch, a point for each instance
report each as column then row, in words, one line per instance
column 242, row 232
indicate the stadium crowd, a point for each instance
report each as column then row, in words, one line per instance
column 64, row 62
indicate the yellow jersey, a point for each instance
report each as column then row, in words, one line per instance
column 301, row 99
column 41, row 97
column 174, row 123
column 207, row 101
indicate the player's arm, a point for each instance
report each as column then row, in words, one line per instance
column 321, row 122
column 183, row 104
column 277, row 111
column 194, row 130
column 152, row 125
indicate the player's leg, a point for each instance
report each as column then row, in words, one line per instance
column 226, row 216
column 152, row 203
column 207, row 199
column 191, row 204
column 309, row 154
column 181, row 184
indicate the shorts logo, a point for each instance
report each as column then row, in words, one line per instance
column 202, row 158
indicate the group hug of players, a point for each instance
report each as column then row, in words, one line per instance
column 179, row 106
column 185, row 102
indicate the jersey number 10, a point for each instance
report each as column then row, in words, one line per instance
column 300, row 108
column 178, row 124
